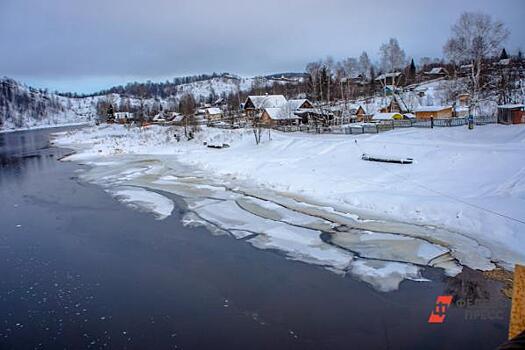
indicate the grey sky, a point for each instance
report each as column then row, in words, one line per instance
column 87, row 45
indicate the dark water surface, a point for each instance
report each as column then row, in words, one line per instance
column 78, row 270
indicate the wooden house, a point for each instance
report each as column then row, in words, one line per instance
column 511, row 114
column 286, row 114
column 437, row 72
column 436, row 112
column 464, row 100
column 389, row 79
column 213, row 114
column 279, row 116
column 256, row 104
column 395, row 105
column 123, row 117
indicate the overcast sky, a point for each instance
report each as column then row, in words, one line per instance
column 83, row 46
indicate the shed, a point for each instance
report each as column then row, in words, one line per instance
column 511, row 114
column 387, row 116
column 436, row 112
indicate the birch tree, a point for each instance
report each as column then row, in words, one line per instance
column 474, row 38
column 392, row 56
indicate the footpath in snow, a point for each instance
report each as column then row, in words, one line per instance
column 461, row 203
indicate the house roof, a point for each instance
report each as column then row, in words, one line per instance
column 436, row 71
column 267, row 101
column 386, row 116
column 280, row 113
column 431, row 108
column 388, row 75
column 213, row 110
column 511, row 106
column 295, row 104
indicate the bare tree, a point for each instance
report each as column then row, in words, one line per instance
column 392, row 56
column 187, row 108
column 364, row 65
column 474, row 38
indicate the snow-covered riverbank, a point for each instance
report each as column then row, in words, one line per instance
column 462, row 202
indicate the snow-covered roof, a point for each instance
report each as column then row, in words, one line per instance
column 213, row 111
column 295, row 104
column 267, row 101
column 504, row 62
column 436, row 71
column 386, row 116
column 431, row 108
column 511, row 106
column 388, row 75
column 120, row 115
column 280, row 113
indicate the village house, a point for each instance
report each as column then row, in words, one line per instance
column 511, row 114
column 256, row 104
column 437, row 72
column 213, row 114
column 436, row 112
column 464, row 100
column 395, row 105
column 123, row 117
column 358, row 113
column 286, row 114
column 389, row 79
column 279, row 116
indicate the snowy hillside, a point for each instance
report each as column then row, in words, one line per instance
column 23, row 107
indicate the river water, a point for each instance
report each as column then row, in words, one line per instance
column 79, row 270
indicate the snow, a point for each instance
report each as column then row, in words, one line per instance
column 213, row 111
column 461, row 203
column 431, row 108
column 388, row 75
column 388, row 274
column 155, row 203
column 387, row 116
column 512, row 106
column 267, row 101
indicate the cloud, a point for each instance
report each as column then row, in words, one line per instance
column 59, row 40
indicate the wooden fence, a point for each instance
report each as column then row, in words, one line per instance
column 376, row 128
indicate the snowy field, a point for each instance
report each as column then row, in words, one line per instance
column 461, row 203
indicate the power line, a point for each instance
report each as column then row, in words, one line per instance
column 446, row 195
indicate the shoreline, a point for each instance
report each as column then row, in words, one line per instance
column 43, row 127
column 235, row 187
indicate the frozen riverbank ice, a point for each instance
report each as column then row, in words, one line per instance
column 141, row 199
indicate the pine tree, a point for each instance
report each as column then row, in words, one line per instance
column 503, row 55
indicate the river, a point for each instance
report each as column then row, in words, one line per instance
column 79, row 270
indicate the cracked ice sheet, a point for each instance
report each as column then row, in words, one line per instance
column 400, row 248
column 273, row 211
column 142, row 199
column 385, row 276
column 298, row 243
